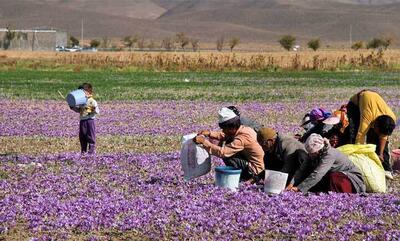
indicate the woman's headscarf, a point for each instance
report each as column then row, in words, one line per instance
column 315, row 143
column 319, row 114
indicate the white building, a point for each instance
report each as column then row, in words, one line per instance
column 32, row 39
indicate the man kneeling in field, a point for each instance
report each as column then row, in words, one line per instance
column 282, row 153
column 238, row 146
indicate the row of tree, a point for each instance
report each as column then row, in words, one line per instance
column 179, row 41
column 182, row 41
column 288, row 42
column 375, row 43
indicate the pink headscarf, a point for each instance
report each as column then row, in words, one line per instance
column 315, row 143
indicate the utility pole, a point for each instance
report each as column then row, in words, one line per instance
column 351, row 35
column 33, row 40
column 81, row 32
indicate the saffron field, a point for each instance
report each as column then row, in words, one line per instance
column 133, row 188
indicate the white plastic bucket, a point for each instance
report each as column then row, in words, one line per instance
column 227, row 177
column 76, row 97
column 274, row 182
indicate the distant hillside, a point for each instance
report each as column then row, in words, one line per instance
column 250, row 20
column 325, row 19
column 142, row 9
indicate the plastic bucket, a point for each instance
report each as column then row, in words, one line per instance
column 396, row 159
column 274, row 182
column 76, row 97
column 227, row 177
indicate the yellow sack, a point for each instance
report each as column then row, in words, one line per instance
column 365, row 158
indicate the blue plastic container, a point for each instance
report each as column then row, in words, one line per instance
column 76, row 97
column 227, row 177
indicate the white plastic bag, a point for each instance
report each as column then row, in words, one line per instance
column 195, row 160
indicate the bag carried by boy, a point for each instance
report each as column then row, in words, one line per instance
column 195, row 160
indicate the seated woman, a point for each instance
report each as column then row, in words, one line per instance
column 238, row 145
column 317, row 120
column 327, row 170
column 340, row 122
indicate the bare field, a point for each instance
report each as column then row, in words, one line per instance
column 203, row 61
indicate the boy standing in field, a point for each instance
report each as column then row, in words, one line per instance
column 88, row 112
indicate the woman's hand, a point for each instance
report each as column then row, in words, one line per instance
column 205, row 133
column 199, row 139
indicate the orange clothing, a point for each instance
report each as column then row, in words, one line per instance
column 371, row 106
column 244, row 141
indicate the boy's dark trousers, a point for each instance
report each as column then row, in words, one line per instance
column 87, row 135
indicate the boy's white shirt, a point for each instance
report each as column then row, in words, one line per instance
column 86, row 111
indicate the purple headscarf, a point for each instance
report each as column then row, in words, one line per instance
column 318, row 114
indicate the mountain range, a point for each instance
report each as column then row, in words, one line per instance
column 258, row 21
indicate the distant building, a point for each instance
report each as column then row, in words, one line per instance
column 34, row 39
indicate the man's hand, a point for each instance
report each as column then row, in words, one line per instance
column 204, row 133
column 381, row 157
column 291, row 188
column 250, row 181
column 199, row 139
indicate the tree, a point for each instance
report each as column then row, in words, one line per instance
column 314, row 44
column 287, row 42
column 388, row 39
column 8, row 37
column 387, row 42
column 22, row 36
column 105, row 42
column 357, row 45
column 141, row 43
column 375, row 43
column 151, row 45
column 195, row 44
column 182, row 39
column 220, row 43
column 129, row 41
column 94, row 43
column 74, row 41
column 167, row 43
column 233, row 43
